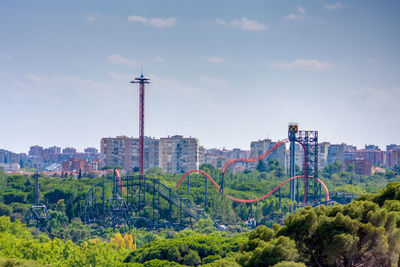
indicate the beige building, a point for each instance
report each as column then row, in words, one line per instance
column 259, row 147
column 323, row 149
column 124, row 151
column 179, row 154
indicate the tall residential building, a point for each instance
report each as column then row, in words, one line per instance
column 371, row 147
column 69, row 151
column 336, row 153
column 51, row 154
column 259, row 147
column 124, row 151
column 390, row 150
column 396, row 157
column 374, row 156
column 179, row 154
column 323, row 149
column 36, row 151
column 115, row 152
column 202, row 155
column 361, row 166
column 9, row 157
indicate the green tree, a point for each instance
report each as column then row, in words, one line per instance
column 261, row 166
column 263, row 249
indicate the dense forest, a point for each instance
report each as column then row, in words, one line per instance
column 365, row 232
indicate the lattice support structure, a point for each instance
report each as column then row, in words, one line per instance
column 119, row 211
column 130, row 205
column 39, row 217
column 310, row 141
column 37, row 214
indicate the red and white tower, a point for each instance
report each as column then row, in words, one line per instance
column 141, row 81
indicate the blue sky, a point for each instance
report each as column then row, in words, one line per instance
column 226, row 72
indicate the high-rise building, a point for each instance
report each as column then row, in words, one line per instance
column 336, row 153
column 69, row 151
column 91, row 154
column 124, row 151
column 36, row 151
column 376, row 157
column 8, row 156
column 116, row 152
column 371, row 147
column 323, row 149
column 202, row 155
column 179, row 154
column 51, row 154
column 396, row 157
column 361, row 166
column 259, row 147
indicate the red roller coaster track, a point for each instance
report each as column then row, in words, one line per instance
column 255, row 159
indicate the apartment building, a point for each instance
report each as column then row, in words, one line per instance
column 361, row 166
column 323, row 149
column 178, row 154
column 336, row 153
column 124, row 151
column 259, row 147
column 396, row 157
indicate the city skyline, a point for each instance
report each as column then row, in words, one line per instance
column 226, row 73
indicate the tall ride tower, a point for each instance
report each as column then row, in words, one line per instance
column 141, row 81
column 293, row 130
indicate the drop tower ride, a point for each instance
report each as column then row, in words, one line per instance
column 141, row 81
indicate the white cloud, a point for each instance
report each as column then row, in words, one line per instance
column 295, row 17
column 154, row 22
column 244, row 24
column 158, row 59
column 249, row 25
column 333, row 6
column 292, row 17
column 301, row 10
column 91, row 18
column 303, row 64
column 220, row 21
column 118, row 59
column 215, row 60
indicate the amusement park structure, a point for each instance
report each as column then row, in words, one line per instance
column 37, row 214
column 146, row 202
column 141, row 81
column 312, row 190
column 141, row 201
column 136, row 201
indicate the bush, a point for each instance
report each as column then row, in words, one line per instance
column 5, row 210
column 211, row 258
column 11, row 197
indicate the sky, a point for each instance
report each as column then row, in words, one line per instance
column 227, row 72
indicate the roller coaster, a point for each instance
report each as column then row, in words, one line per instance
column 146, row 202
column 136, row 201
column 309, row 142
